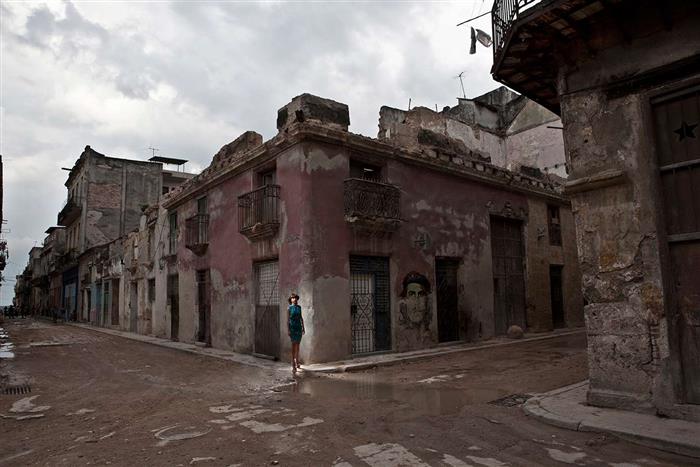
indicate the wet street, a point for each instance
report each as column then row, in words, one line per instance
column 79, row 397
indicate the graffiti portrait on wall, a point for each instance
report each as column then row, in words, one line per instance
column 414, row 305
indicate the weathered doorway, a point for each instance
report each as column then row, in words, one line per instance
column 203, row 307
column 677, row 122
column 133, row 306
column 508, row 273
column 115, row 302
column 556, row 295
column 446, row 270
column 267, row 308
column 369, row 304
column 173, row 289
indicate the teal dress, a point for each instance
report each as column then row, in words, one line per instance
column 295, row 324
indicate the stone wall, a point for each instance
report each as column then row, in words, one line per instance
column 614, row 186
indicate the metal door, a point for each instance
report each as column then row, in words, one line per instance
column 508, row 273
column 677, row 122
column 174, row 299
column 369, row 304
column 556, row 295
column 267, row 309
column 204, row 309
column 447, row 299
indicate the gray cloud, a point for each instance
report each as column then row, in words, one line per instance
column 188, row 77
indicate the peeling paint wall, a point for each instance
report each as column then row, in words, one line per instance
column 446, row 215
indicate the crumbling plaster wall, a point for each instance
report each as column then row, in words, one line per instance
column 615, row 197
column 160, row 312
column 117, row 192
column 525, row 140
column 617, row 249
column 529, row 141
column 540, row 255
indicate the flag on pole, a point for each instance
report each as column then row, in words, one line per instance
column 483, row 38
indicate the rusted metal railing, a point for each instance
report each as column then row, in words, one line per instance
column 368, row 198
column 197, row 230
column 503, row 14
column 259, row 207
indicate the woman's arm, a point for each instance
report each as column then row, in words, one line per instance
column 303, row 329
column 289, row 329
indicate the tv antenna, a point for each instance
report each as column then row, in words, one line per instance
column 153, row 151
column 461, row 83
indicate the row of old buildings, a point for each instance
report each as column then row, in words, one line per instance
column 449, row 226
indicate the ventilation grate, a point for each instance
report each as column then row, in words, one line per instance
column 17, row 389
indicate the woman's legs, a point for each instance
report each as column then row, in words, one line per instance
column 295, row 355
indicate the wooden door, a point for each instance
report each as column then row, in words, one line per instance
column 677, row 128
column 508, row 273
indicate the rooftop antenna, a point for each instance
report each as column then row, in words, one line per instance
column 461, row 83
column 153, row 151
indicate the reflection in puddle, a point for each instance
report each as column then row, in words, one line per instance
column 427, row 399
column 6, row 347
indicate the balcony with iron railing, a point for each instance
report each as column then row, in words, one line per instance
column 197, row 233
column 371, row 206
column 503, row 14
column 258, row 212
column 528, row 35
column 72, row 207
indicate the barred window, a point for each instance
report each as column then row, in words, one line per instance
column 554, row 224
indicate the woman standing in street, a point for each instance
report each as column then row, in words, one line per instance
column 295, row 327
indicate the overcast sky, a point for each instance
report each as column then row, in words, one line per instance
column 189, row 77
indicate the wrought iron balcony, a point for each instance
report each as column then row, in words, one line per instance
column 532, row 37
column 372, row 207
column 197, row 233
column 72, row 208
column 503, row 15
column 258, row 212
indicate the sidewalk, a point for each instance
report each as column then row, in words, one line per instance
column 355, row 364
column 566, row 408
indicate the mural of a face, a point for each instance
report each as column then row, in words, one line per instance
column 415, row 301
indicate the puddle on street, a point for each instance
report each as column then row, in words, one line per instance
column 6, row 347
column 430, row 400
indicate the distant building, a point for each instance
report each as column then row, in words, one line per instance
column 106, row 197
column 625, row 77
column 510, row 130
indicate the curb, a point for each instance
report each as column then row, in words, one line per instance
column 393, row 359
column 584, row 418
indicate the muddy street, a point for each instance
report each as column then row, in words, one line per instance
column 86, row 398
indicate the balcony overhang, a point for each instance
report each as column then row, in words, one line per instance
column 70, row 212
column 532, row 40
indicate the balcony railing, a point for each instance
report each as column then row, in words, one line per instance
column 373, row 206
column 258, row 212
column 503, row 14
column 71, row 210
column 197, row 233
